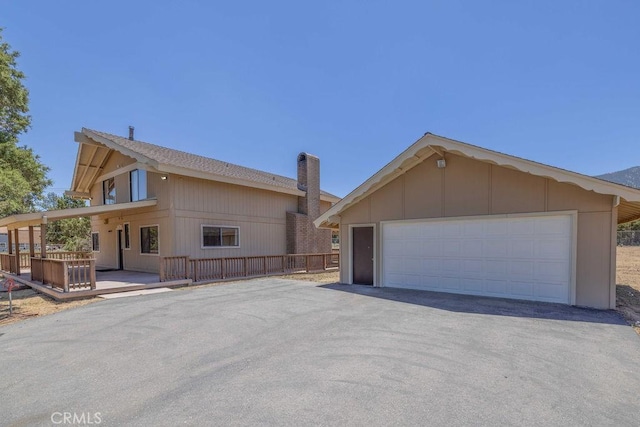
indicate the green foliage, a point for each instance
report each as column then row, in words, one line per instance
column 629, row 226
column 14, row 97
column 23, row 177
column 73, row 233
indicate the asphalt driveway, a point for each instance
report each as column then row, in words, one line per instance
column 281, row 352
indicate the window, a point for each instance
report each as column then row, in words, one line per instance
column 95, row 242
column 109, row 191
column 149, row 243
column 127, row 236
column 138, row 183
column 214, row 236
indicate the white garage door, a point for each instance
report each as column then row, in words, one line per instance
column 514, row 257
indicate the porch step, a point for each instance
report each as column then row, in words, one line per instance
column 134, row 293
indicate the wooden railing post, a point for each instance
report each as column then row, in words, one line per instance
column 65, row 276
column 92, row 273
column 245, row 272
column 223, row 267
column 187, row 268
column 306, row 263
column 162, row 267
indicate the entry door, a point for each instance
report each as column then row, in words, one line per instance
column 362, row 255
column 120, row 251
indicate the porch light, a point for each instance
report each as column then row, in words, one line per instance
column 441, row 163
column 163, row 177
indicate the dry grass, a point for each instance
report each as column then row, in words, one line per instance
column 628, row 284
column 28, row 304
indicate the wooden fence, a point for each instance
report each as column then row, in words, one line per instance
column 66, row 274
column 207, row 269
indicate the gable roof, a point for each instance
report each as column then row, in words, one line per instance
column 430, row 145
column 169, row 160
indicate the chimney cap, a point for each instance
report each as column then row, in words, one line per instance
column 131, row 129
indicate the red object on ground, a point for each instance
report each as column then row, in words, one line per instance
column 9, row 284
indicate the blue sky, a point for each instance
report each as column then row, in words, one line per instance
column 354, row 82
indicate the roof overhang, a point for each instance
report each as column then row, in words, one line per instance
column 434, row 145
column 37, row 218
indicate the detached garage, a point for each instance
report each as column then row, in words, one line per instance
column 451, row 217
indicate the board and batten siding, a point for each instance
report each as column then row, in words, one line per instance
column 107, row 224
column 260, row 215
column 468, row 187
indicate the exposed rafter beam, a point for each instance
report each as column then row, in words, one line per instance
column 77, row 194
column 91, row 157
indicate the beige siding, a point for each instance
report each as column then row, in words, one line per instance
column 260, row 214
column 108, row 225
column 468, row 187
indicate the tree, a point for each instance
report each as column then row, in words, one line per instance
column 73, row 233
column 23, row 177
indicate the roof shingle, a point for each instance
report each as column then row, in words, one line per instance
column 169, row 156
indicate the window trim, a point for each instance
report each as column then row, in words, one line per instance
column 140, row 234
column 137, row 183
column 126, row 226
column 104, row 193
column 202, row 246
column 97, row 233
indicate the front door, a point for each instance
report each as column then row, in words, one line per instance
column 120, row 251
column 362, row 255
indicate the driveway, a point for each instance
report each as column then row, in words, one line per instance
column 282, row 352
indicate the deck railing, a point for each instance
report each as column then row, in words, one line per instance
column 25, row 258
column 66, row 274
column 8, row 263
column 208, row 269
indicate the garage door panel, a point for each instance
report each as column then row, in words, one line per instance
column 522, row 269
column 496, row 287
column 521, row 228
column 473, row 285
column 472, row 267
column 521, row 248
column 450, row 283
column 495, row 267
column 555, row 271
column 472, row 248
column 523, row 257
column 552, row 249
column 495, row 248
column 522, row 289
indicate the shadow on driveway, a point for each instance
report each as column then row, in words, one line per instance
column 484, row 305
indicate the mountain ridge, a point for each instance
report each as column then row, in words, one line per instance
column 629, row 177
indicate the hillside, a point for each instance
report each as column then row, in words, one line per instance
column 630, row 177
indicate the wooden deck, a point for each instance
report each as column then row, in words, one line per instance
column 107, row 282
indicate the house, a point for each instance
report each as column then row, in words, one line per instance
column 23, row 239
column 147, row 201
column 452, row 217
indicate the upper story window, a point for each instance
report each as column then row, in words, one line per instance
column 109, row 191
column 138, row 182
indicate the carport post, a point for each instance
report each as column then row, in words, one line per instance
column 17, row 239
column 43, row 238
column 32, row 248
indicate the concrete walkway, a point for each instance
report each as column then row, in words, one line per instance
column 280, row 352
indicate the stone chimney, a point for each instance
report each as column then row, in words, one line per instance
column 309, row 182
column 131, row 129
column 302, row 236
